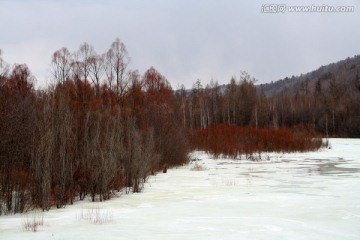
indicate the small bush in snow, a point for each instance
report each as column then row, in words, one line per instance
column 95, row 215
column 31, row 223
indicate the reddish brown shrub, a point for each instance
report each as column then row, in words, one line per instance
column 232, row 140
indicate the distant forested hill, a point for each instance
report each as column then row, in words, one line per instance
column 344, row 73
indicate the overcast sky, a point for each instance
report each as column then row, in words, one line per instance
column 185, row 40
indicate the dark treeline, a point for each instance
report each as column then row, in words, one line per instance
column 97, row 129
column 327, row 103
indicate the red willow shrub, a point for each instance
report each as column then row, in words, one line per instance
column 232, row 140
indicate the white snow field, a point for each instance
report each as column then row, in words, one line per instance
column 313, row 195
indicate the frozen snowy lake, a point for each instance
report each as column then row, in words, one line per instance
column 312, row 195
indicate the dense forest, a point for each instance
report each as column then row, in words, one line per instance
column 101, row 127
column 327, row 99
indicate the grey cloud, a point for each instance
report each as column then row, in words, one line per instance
column 184, row 40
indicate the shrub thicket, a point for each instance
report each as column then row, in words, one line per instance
column 233, row 141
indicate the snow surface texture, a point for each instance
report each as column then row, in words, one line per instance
column 291, row 196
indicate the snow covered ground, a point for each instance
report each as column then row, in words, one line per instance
column 312, row 195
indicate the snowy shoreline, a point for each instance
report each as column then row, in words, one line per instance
column 310, row 195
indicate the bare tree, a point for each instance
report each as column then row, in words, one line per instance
column 96, row 69
column 64, row 157
column 83, row 58
column 231, row 93
column 140, row 156
column 108, row 61
column 61, row 65
column 43, row 153
column 120, row 63
column 116, row 62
